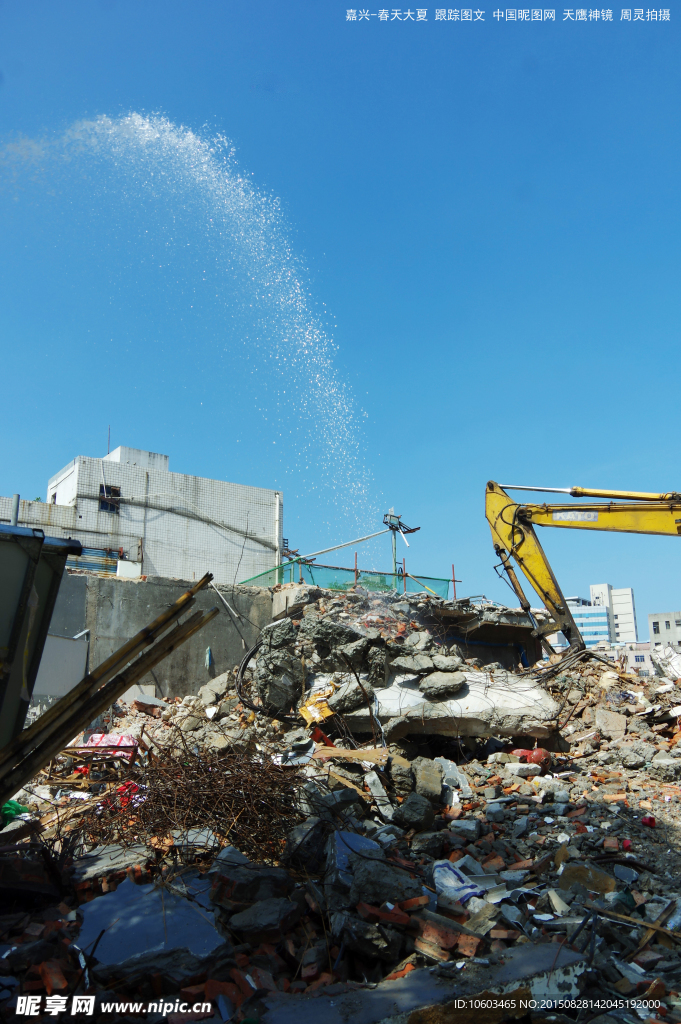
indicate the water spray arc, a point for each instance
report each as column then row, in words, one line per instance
column 206, row 257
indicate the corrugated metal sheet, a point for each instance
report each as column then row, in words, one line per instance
column 95, row 560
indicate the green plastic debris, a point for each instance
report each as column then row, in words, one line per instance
column 10, row 811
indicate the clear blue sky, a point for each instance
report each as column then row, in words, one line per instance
column 486, row 215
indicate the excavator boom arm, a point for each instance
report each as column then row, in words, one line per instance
column 512, row 525
column 514, row 538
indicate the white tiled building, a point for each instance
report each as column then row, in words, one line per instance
column 134, row 517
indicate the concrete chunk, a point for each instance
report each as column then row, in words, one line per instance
column 610, row 724
column 416, row 663
column 469, row 828
column 523, row 771
column 414, row 812
column 447, row 664
column 385, row 808
column 267, row 919
column 439, row 685
column 428, row 778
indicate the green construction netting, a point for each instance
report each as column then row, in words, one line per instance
column 331, row 577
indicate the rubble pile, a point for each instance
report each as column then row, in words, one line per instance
column 372, row 856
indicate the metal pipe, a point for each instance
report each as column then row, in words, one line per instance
column 227, row 606
column 357, row 540
column 277, row 534
column 14, row 514
column 547, row 490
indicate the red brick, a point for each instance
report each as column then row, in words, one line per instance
column 647, row 958
column 438, row 935
column 226, row 988
column 467, row 945
column 400, row 974
column 504, row 933
column 395, row 916
column 493, row 862
column 431, row 949
column 263, row 979
column 52, row 977
column 611, row 843
column 323, row 979
column 414, row 903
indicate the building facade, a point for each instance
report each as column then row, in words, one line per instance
column 595, row 624
column 665, row 628
column 634, row 658
column 134, row 517
column 609, row 617
column 621, row 610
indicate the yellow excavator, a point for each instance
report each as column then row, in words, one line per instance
column 512, row 525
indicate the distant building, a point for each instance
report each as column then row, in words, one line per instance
column 665, row 628
column 633, row 658
column 595, row 624
column 621, row 608
column 134, row 517
column 609, row 617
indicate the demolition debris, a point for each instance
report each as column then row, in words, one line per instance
column 362, row 819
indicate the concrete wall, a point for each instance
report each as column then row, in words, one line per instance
column 115, row 609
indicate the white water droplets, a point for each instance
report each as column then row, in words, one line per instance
column 217, row 249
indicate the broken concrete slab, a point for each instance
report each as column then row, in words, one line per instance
column 105, row 860
column 483, row 707
column 140, row 918
column 529, row 972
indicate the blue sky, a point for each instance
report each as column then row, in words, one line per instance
column 484, row 218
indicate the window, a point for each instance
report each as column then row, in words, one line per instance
column 644, row 672
column 640, row 658
column 656, row 627
column 677, row 623
column 114, row 496
column 54, row 498
column 667, row 624
column 616, row 616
